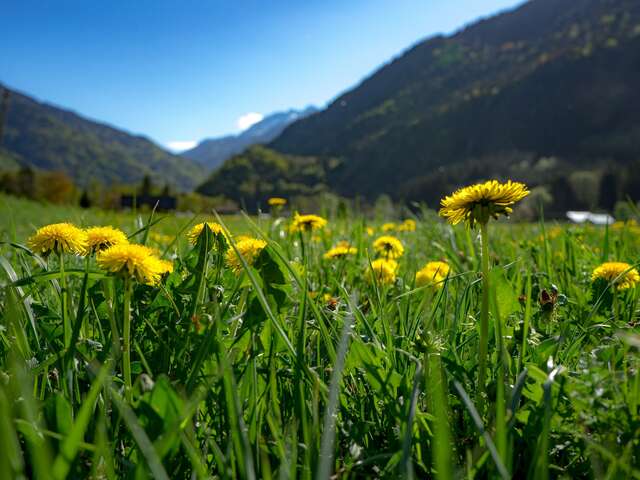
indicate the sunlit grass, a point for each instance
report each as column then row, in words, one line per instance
column 301, row 366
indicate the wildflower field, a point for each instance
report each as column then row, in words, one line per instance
column 314, row 346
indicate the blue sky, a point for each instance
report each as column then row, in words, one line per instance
column 186, row 70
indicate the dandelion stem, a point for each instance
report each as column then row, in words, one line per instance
column 303, row 251
column 126, row 339
column 616, row 307
column 64, row 295
column 108, row 289
column 84, row 326
column 484, row 317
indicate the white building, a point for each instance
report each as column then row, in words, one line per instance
column 595, row 218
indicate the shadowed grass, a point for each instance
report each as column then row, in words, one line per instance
column 303, row 367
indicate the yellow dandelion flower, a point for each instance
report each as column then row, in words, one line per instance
column 277, row 202
column 388, row 227
column 162, row 266
column 370, row 231
column 134, row 260
column 388, row 247
column 409, row 225
column 477, row 203
column 621, row 274
column 59, row 238
column 99, row 238
column 383, row 271
column 630, row 226
column 551, row 234
column 161, row 238
column 249, row 249
column 620, row 225
column 339, row 251
column 195, row 232
column 305, row 223
column 432, row 274
column 166, row 266
column 239, row 238
column 154, row 251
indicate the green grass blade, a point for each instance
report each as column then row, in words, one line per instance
column 406, row 463
column 70, row 446
column 473, row 412
column 146, row 446
column 442, row 430
column 325, row 465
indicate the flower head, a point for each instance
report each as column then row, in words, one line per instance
column 630, row 225
column 249, row 249
column 370, row 231
column 621, row 274
column 551, row 234
column 340, row 251
column 429, row 342
column 620, row 225
column 134, row 260
column 277, row 202
column 165, row 266
column 305, row 223
column 388, row 227
column 388, row 247
column 479, row 202
column 409, row 225
column 432, row 274
column 59, row 238
column 161, row 238
column 195, row 232
column 99, row 238
column 383, row 271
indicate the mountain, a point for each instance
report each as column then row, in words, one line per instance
column 258, row 173
column 213, row 152
column 50, row 138
column 542, row 92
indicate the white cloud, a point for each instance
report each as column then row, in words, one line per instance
column 181, row 145
column 248, row 119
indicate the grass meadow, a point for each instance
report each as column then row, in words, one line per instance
column 281, row 363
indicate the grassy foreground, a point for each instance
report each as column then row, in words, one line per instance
column 299, row 366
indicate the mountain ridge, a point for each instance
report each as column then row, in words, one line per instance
column 44, row 135
column 543, row 93
column 395, row 124
column 212, row 152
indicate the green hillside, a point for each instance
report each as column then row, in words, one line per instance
column 552, row 79
column 258, row 173
column 49, row 138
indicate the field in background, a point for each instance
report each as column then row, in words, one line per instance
column 20, row 217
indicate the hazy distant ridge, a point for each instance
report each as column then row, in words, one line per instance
column 214, row 151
